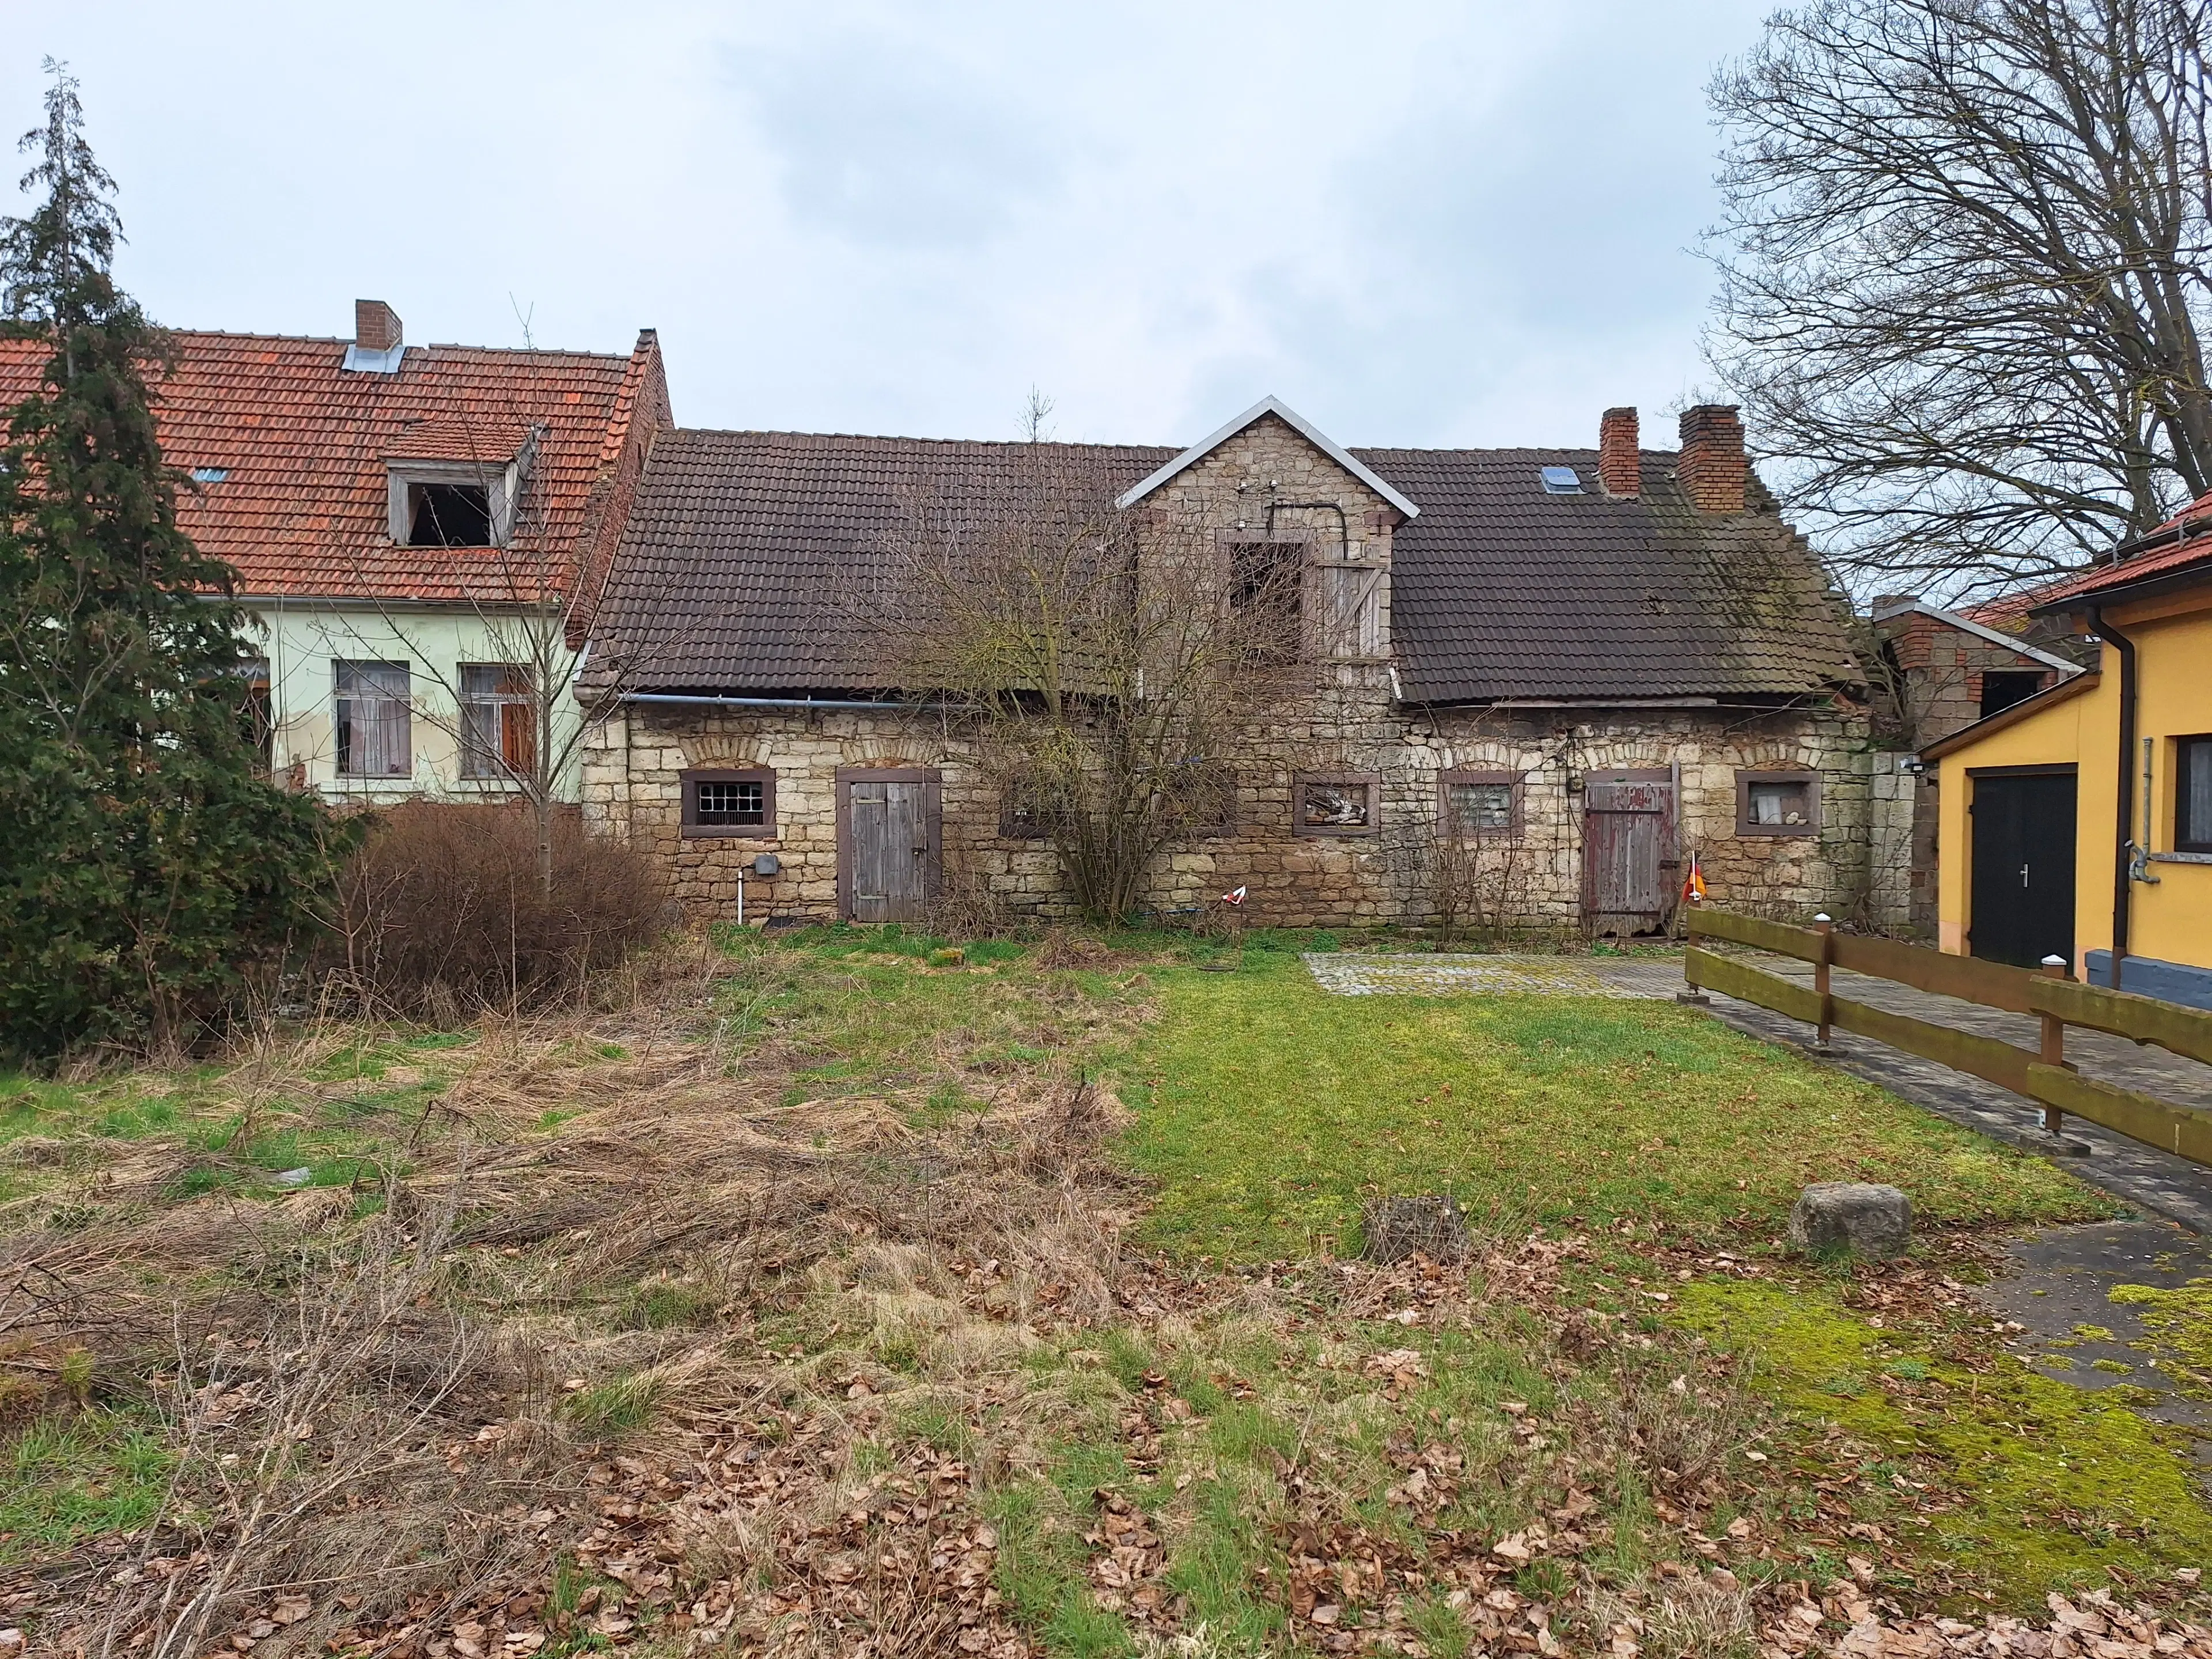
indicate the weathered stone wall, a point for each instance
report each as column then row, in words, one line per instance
column 632, row 789
column 1529, row 879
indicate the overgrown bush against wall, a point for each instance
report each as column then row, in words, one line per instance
column 440, row 913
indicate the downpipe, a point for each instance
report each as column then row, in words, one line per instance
column 2126, row 856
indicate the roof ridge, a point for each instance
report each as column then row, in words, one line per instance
column 902, row 438
column 431, row 345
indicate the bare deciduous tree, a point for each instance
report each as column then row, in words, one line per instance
column 1111, row 662
column 1964, row 274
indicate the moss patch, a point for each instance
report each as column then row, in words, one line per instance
column 2177, row 1324
column 2053, row 1485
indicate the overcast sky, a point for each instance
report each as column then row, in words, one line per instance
column 1418, row 224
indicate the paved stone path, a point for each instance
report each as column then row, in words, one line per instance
column 1351, row 974
column 2153, row 1181
column 2061, row 1292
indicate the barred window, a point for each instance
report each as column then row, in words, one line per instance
column 729, row 803
column 733, row 804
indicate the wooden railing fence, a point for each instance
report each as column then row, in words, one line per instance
column 2042, row 1074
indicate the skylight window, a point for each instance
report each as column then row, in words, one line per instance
column 1561, row 481
column 209, row 474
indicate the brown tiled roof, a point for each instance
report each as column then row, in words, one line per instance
column 302, row 508
column 726, row 577
column 740, row 545
column 1501, row 591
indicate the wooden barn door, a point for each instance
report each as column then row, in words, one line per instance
column 1628, row 850
column 887, row 843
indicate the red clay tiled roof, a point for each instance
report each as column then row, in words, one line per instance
column 2007, row 612
column 486, row 442
column 302, row 510
column 2124, row 573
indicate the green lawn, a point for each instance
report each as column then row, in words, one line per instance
column 1272, row 1111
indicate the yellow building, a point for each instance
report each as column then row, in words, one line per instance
column 2079, row 823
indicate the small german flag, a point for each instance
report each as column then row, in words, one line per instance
column 1693, row 886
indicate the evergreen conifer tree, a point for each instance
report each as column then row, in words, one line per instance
column 146, row 869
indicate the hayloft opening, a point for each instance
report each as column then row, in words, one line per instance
column 448, row 515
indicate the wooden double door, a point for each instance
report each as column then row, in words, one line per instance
column 1632, row 874
column 888, row 852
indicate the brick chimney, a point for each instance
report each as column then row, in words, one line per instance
column 375, row 325
column 1712, row 466
column 1617, row 465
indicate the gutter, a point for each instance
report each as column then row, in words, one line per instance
column 686, row 701
column 2123, row 813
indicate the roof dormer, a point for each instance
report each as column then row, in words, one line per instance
column 454, row 483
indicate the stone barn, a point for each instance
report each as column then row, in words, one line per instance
column 1554, row 675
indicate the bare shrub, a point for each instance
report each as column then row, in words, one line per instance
column 441, row 914
column 1107, row 659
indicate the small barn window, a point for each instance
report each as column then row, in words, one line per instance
column 739, row 802
column 2001, row 688
column 1023, row 813
column 1347, row 805
column 2192, row 795
column 1481, row 803
column 1777, row 803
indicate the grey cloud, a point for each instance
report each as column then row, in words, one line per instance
column 883, row 145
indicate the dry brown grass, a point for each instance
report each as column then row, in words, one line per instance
column 410, row 1406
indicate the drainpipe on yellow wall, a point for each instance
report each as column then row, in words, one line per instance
column 2124, row 807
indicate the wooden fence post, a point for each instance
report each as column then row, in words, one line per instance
column 2054, row 1045
column 1825, row 925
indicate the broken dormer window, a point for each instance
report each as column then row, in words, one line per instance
column 448, row 515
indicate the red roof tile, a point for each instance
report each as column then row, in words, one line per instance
column 301, row 509
column 2126, row 573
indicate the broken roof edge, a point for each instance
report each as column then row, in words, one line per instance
column 1298, row 422
column 1968, row 624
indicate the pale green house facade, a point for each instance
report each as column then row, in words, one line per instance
column 420, row 535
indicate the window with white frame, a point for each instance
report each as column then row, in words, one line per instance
column 499, row 722
column 373, row 720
